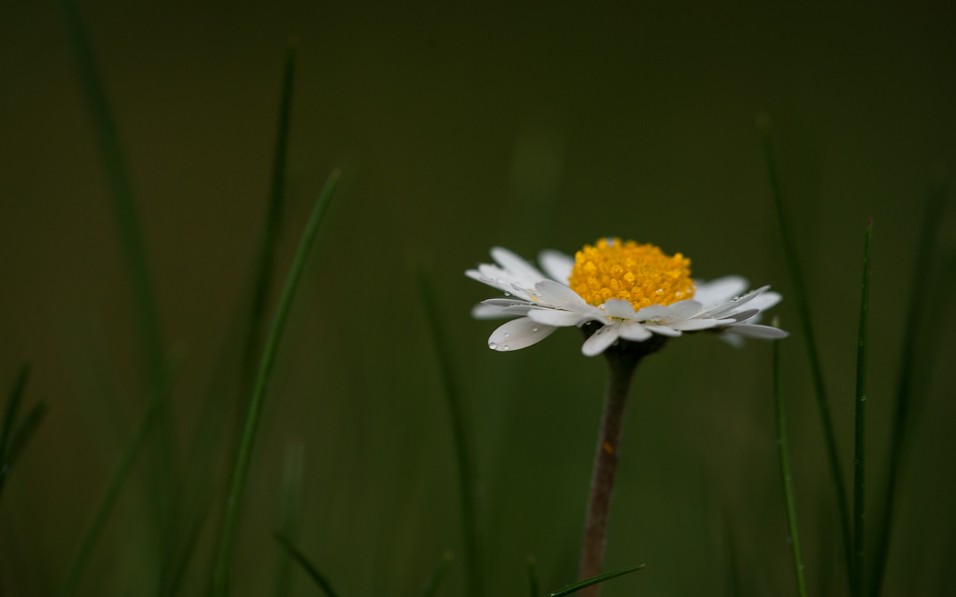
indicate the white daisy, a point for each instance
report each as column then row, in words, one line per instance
column 633, row 290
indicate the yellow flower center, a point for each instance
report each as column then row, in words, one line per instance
column 641, row 274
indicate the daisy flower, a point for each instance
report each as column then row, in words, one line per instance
column 631, row 291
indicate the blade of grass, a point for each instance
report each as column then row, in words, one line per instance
column 270, row 232
column 14, row 437
column 289, row 511
column 859, row 447
column 299, row 558
column 118, row 480
column 243, row 455
column 431, row 585
column 25, row 431
column 11, row 411
column 929, row 232
column 461, row 434
column 595, row 580
column 534, row 588
column 152, row 358
column 783, row 452
column 806, row 324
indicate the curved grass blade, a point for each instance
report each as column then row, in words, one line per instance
column 12, row 411
column 595, row 580
column 859, row 448
column 461, row 433
column 299, row 558
column 243, row 456
column 124, row 467
column 289, row 510
column 431, row 585
column 534, row 587
column 152, row 362
column 14, row 437
column 929, row 232
column 806, row 324
column 270, row 233
column 783, row 451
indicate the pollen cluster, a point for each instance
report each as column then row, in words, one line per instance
column 639, row 273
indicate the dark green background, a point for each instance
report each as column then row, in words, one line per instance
column 459, row 128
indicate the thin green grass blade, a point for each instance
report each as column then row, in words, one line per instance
column 299, row 558
column 929, row 233
column 24, row 432
column 12, row 410
column 783, row 452
column 434, row 580
column 806, row 324
column 859, row 444
column 14, row 437
column 595, row 580
column 121, row 190
column 462, row 436
column 289, row 511
column 270, row 233
column 165, row 494
column 243, row 455
column 534, row 587
column 124, row 468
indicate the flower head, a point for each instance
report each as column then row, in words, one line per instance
column 631, row 290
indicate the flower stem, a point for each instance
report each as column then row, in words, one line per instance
column 622, row 361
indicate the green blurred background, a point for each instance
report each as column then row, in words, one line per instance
column 544, row 125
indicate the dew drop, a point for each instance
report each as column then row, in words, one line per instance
column 659, row 291
column 507, row 335
column 534, row 329
column 507, row 294
column 602, row 307
column 736, row 298
column 492, row 346
column 505, row 347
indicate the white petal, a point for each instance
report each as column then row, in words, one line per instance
column 517, row 266
column 651, row 313
column 691, row 325
column 506, row 302
column 517, row 334
column 486, row 311
column 764, row 332
column 557, row 317
column 601, row 339
column 734, row 305
column 618, row 308
column 675, row 312
column 557, row 265
column 681, row 310
column 765, row 301
column 663, row 330
column 742, row 316
column 721, row 290
column 558, row 295
column 631, row 330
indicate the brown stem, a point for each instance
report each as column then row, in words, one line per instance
column 622, row 361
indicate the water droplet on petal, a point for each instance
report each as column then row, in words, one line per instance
column 602, row 307
column 507, row 335
column 505, row 347
column 659, row 291
column 507, row 294
column 492, row 346
column 534, row 329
